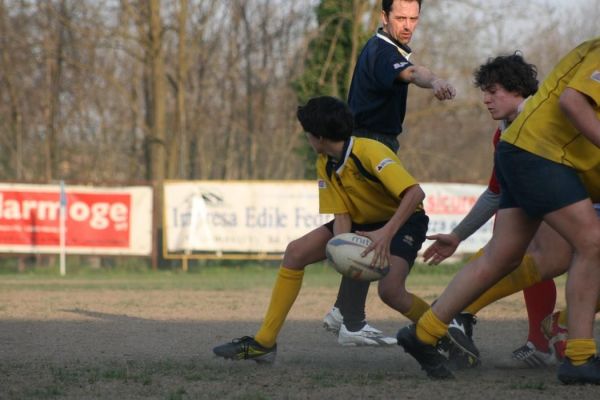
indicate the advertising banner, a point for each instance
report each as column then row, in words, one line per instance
column 247, row 217
column 97, row 220
column 447, row 204
column 264, row 216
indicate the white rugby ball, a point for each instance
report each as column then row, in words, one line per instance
column 344, row 252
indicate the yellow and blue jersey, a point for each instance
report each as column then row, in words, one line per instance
column 543, row 129
column 367, row 183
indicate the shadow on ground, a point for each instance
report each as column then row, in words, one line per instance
column 108, row 355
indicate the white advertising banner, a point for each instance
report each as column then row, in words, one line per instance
column 447, row 204
column 264, row 216
column 97, row 220
column 238, row 216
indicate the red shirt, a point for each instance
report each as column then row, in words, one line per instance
column 493, row 185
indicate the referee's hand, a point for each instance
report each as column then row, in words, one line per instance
column 443, row 90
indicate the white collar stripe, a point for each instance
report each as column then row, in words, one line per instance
column 404, row 53
column 348, row 151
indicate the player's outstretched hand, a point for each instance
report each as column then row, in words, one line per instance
column 443, row 90
column 444, row 246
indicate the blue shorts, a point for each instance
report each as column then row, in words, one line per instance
column 533, row 183
column 407, row 242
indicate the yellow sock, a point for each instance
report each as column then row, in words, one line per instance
column 417, row 308
column 525, row 275
column 286, row 289
column 430, row 329
column 580, row 350
column 562, row 318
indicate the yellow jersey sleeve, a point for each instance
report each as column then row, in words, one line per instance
column 587, row 78
column 385, row 165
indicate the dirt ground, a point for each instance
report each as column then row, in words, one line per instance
column 134, row 344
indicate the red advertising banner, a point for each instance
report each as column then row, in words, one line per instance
column 32, row 218
column 97, row 220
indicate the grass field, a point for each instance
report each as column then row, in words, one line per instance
column 122, row 335
column 211, row 277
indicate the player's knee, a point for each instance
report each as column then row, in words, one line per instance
column 498, row 264
column 490, row 273
column 293, row 255
column 588, row 245
column 589, row 249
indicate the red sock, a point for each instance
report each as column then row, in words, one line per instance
column 540, row 300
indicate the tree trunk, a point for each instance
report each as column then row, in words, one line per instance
column 16, row 114
column 53, row 46
column 157, row 86
column 179, row 162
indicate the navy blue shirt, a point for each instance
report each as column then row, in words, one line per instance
column 377, row 98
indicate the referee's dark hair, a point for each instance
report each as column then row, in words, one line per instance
column 326, row 117
column 510, row 71
column 386, row 5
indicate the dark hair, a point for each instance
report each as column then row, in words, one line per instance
column 326, row 117
column 511, row 71
column 386, row 5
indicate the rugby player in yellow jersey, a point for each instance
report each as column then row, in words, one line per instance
column 554, row 326
column 364, row 184
column 538, row 161
column 505, row 81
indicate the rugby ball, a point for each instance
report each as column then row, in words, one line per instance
column 344, row 253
